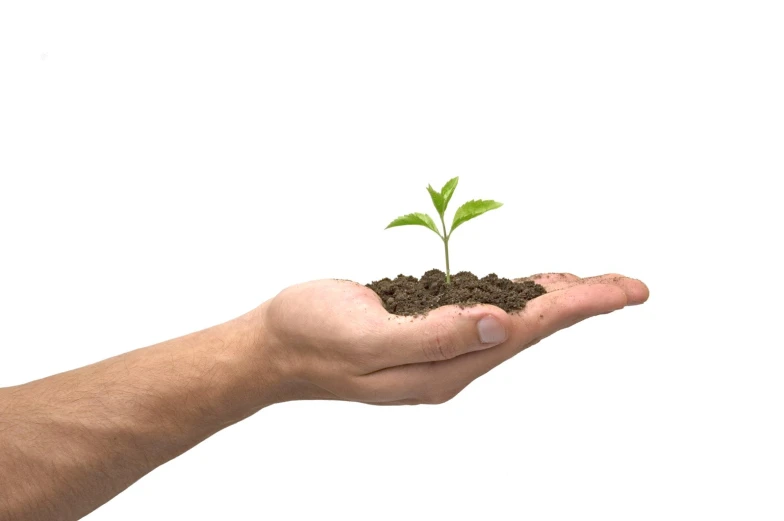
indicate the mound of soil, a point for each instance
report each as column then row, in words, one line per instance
column 405, row 295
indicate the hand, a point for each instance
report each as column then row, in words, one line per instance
column 333, row 339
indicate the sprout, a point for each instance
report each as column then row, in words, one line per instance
column 441, row 199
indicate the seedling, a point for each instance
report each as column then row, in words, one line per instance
column 441, row 199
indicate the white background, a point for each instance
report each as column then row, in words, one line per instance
column 169, row 165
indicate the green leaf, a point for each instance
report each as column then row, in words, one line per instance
column 472, row 209
column 422, row 219
column 448, row 190
column 438, row 200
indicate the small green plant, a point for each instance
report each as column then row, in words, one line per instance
column 441, row 199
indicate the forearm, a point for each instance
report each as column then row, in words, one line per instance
column 70, row 442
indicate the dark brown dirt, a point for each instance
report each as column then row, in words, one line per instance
column 405, row 295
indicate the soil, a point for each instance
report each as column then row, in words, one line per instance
column 405, row 295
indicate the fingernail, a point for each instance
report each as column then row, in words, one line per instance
column 491, row 331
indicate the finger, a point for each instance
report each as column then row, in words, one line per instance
column 550, row 280
column 443, row 334
column 558, row 310
column 636, row 291
column 541, row 318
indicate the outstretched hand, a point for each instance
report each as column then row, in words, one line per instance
column 333, row 339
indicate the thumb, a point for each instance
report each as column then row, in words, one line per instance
column 444, row 333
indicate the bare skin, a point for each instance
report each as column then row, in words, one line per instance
column 72, row 441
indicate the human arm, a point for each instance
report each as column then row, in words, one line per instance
column 70, row 442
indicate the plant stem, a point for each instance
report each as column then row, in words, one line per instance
column 446, row 249
column 446, row 253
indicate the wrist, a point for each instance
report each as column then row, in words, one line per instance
column 256, row 377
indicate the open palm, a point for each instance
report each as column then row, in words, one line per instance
column 333, row 339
